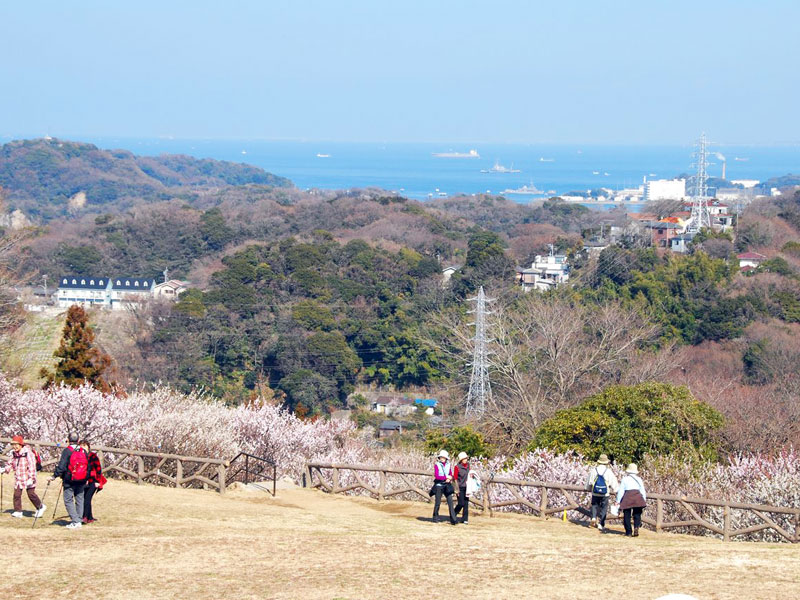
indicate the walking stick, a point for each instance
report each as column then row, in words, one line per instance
column 36, row 514
column 60, row 490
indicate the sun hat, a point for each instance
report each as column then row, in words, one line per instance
column 632, row 469
column 462, row 456
column 17, row 439
column 442, row 453
column 603, row 460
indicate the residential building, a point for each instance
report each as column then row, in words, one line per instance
column 448, row 272
column 170, row 290
column 83, row 291
column 662, row 233
column 664, row 189
column 750, row 259
column 127, row 292
column 390, row 428
column 546, row 272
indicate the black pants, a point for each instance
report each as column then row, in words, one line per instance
column 463, row 503
column 88, row 492
column 600, row 508
column 637, row 518
column 438, row 491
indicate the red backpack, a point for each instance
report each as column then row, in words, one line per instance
column 78, row 465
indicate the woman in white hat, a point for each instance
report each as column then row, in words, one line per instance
column 442, row 484
column 461, row 476
column 632, row 499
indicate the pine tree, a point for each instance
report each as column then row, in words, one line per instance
column 79, row 361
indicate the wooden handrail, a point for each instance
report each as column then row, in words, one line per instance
column 726, row 530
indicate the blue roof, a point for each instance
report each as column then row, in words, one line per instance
column 82, row 282
column 138, row 284
column 426, row 402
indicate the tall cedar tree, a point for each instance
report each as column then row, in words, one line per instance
column 79, row 361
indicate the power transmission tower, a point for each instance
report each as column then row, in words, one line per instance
column 480, row 389
column 700, row 215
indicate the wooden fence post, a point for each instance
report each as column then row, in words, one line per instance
column 543, row 503
column 726, row 523
column 221, row 477
column 797, row 525
column 139, row 470
column 485, row 498
column 382, row 486
column 178, row 473
column 659, row 513
column 335, row 480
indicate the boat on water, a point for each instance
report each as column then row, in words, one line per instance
column 320, row 155
column 740, row 159
column 543, row 159
column 498, row 168
column 471, row 154
column 525, row 190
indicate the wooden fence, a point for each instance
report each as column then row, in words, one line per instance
column 153, row 467
column 699, row 516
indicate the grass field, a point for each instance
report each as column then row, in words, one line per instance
column 155, row 542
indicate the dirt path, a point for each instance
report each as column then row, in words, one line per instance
column 156, row 542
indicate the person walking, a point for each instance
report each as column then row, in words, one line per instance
column 23, row 463
column 602, row 482
column 632, row 499
column 73, row 469
column 442, row 484
column 461, row 474
column 94, row 484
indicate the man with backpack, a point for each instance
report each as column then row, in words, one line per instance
column 73, row 469
column 601, row 482
column 24, row 462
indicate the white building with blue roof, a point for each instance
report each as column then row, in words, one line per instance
column 115, row 293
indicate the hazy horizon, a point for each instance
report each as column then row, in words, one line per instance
column 363, row 72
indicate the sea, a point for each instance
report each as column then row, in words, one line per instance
column 413, row 169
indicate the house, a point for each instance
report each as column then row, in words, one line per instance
column 662, row 232
column 381, row 403
column 389, row 428
column 83, row 291
column 750, row 259
column 170, row 290
column 680, row 243
column 127, row 292
column 546, row 272
column 115, row 293
column 448, row 272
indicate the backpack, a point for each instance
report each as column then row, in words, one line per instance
column 600, row 488
column 38, row 460
column 78, row 465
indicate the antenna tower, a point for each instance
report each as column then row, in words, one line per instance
column 700, row 216
column 480, row 389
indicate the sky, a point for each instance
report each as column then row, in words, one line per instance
column 568, row 71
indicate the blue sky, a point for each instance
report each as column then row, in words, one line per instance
column 563, row 72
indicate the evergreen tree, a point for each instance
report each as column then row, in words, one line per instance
column 79, row 361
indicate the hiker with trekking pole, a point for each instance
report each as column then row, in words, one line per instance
column 73, row 470
column 24, row 463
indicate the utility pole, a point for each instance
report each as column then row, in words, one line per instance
column 480, row 389
column 700, row 216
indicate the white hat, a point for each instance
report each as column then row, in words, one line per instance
column 442, row 453
column 462, row 456
column 632, row 469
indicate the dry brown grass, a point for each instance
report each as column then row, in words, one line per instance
column 154, row 542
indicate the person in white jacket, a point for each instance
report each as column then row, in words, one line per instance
column 632, row 498
column 602, row 482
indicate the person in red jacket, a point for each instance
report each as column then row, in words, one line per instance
column 23, row 463
column 94, row 484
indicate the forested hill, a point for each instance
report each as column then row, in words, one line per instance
column 49, row 178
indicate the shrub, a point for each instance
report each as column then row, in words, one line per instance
column 458, row 439
column 628, row 422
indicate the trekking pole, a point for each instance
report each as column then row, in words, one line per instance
column 36, row 514
column 2, row 479
column 60, row 490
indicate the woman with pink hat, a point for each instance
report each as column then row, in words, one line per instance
column 23, row 463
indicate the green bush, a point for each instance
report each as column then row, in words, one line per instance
column 628, row 422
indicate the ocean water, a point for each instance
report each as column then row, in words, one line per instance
column 414, row 171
